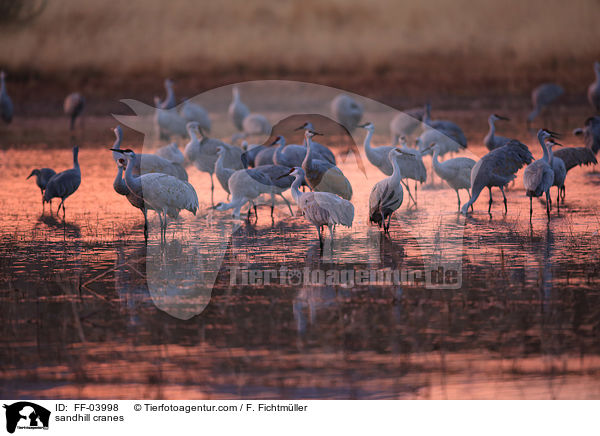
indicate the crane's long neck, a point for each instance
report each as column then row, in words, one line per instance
column 396, row 174
column 543, row 144
column 133, row 183
column 192, row 133
column 117, row 143
column 295, row 188
column 2, row 85
column 367, row 143
column 170, row 97
column 436, row 154
column 308, row 157
column 492, row 130
column 427, row 114
column 550, row 154
column 76, row 160
column 119, row 183
column 279, row 151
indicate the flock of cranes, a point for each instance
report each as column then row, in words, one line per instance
column 159, row 181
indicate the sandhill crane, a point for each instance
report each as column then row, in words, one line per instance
column 445, row 143
column 162, row 193
column 194, row 112
column 171, row 153
column 378, row 156
column 321, row 208
column 202, row 152
column 406, row 124
column 572, row 157
column 169, row 102
column 539, row 176
column 120, row 187
column 321, row 151
column 42, row 176
column 449, row 128
column 346, row 111
column 287, row 155
column 321, row 175
column 223, row 173
column 6, row 106
column 62, row 185
column 73, row 107
column 593, row 93
column 386, row 195
column 167, row 123
column 413, row 169
column 256, row 124
column 590, row 133
column 148, row 162
column 265, row 156
column 237, row 109
column 456, row 172
column 491, row 140
column 559, row 168
column 497, row 168
column 281, row 181
column 245, row 186
column 541, row 97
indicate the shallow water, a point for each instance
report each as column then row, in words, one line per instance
column 91, row 311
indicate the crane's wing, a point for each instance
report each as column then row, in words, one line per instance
column 575, row 156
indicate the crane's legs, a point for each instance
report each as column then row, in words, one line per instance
column 388, row 223
column 458, row 197
column 558, row 200
column 491, row 201
column 212, row 190
column 530, row 209
column 548, row 204
column 288, row 204
column 145, row 224
column 320, row 238
column 408, row 190
column 504, row 195
column 469, row 192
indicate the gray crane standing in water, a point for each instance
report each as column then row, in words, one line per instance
column 559, row 168
column 148, row 162
column 572, row 157
column 64, row 184
column 120, row 187
column 594, row 89
column 42, row 177
column 165, row 194
column 539, row 176
column 497, row 169
column 170, row 101
column 346, row 111
column 321, row 175
column 73, row 106
column 321, row 208
column 456, row 172
column 6, row 106
column 543, row 96
column 387, row 195
column 491, row 140
column 448, row 128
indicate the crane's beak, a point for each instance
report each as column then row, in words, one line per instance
column 32, row 173
column 117, row 150
column 554, row 134
column 286, row 174
column 362, row 125
column 274, row 142
column 317, row 134
column 300, row 128
column 503, row 118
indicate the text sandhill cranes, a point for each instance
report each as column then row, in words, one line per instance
column 165, row 194
column 538, row 177
column 321, row 208
column 6, row 105
column 386, row 195
column 456, row 172
column 346, row 111
column 42, row 177
column 146, row 162
column 491, row 140
column 244, row 120
column 323, row 176
column 543, row 96
column 593, row 93
column 62, row 185
column 497, row 169
column 120, row 187
column 73, row 106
